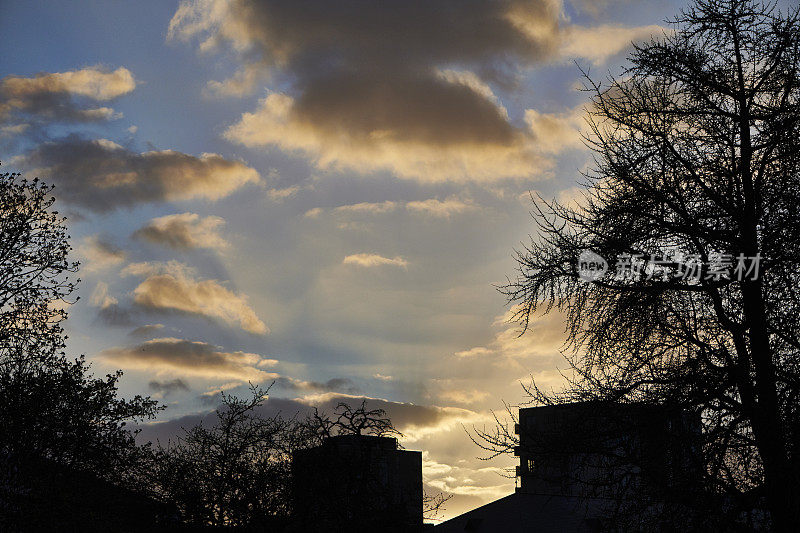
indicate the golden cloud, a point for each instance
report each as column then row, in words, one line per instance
column 556, row 132
column 55, row 96
column 599, row 43
column 381, row 147
column 171, row 355
column 172, row 286
column 99, row 254
column 545, row 337
column 374, row 260
column 184, row 230
column 441, row 208
column 367, row 207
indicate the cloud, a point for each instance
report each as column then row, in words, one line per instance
column 423, row 151
column 374, row 87
column 170, row 355
column 599, row 43
column 165, row 388
column 100, row 297
column 102, row 175
column 99, row 254
column 536, row 354
column 478, row 351
column 463, row 396
column 13, row 130
column 556, row 132
column 414, row 421
column 109, row 311
column 313, row 213
column 242, row 83
column 172, row 287
column 344, row 385
column 279, row 195
column 212, row 395
column 471, row 484
column 148, row 330
column 443, row 209
column 546, row 335
column 374, row 260
column 183, row 231
column 285, row 34
column 63, row 96
column 433, row 207
column 399, row 86
column 371, row 208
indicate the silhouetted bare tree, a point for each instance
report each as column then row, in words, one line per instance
column 697, row 151
column 234, row 473
column 434, row 504
column 347, row 420
column 238, row 472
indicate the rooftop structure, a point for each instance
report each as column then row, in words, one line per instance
column 359, row 480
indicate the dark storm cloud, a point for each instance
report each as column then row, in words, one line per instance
column 309, row 36
column 366, row 67
column 101, row 175
column 384, row 75
column 400, row 85
column 408, row 108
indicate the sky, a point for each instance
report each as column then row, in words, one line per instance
column 317, row 194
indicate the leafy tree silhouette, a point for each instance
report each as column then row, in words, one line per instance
column 53, row 413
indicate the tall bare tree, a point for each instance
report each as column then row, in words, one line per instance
column 695, row 199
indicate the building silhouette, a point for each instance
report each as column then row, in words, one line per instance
column 608, row 450
column 586, row 465
column 357, row 483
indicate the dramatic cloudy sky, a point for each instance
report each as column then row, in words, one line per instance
column 312, row 192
